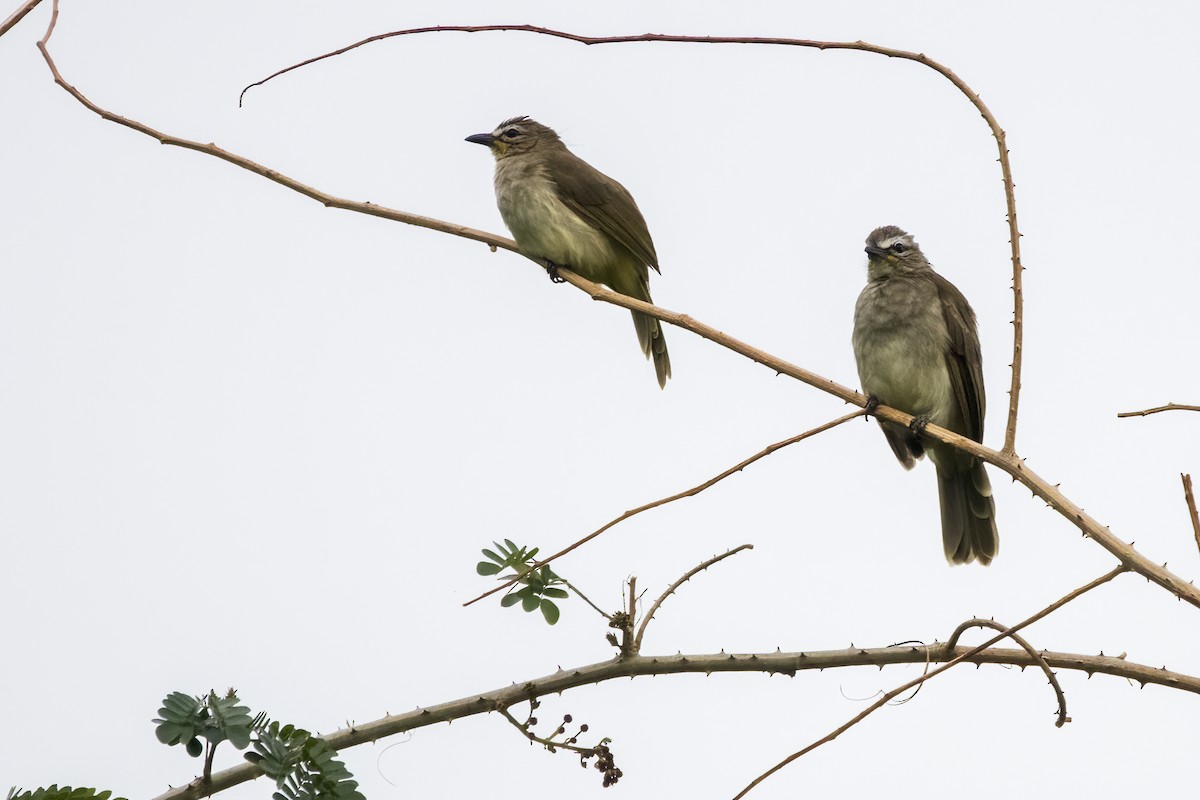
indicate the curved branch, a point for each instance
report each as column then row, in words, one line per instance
column 1041, row 662
column 687, row 576
column 1005, row 459
column 1147, row 412
column 1010, row 200
column 887, row 697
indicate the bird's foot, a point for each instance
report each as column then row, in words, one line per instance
column 552, row 271
column 872, row 405
column 918, row 424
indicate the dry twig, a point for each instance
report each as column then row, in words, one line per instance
column 687, row 576
column 888, row 696
column 1149, row 411
column 17, row 15
column 692, row 492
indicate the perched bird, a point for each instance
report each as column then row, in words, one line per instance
column 564, row 211
column 917, row 350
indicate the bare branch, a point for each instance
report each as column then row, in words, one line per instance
column 1041, row 662
column 695, row 490
column 1190, row 499
column 888, row 696
column 1149, row 411
column 1005, row 460
column 17, row 15
column 997, row 132
column 687, row 576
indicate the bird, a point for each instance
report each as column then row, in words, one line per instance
column 917, row 350
column 565, row 212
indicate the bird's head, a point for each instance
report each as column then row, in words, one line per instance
column 515, row 136
column 890, row 250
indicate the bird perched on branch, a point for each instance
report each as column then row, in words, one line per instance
column 917, row 350
column 565, row 212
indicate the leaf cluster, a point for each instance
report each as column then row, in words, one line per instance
column 304, row 767
column 64, row 793
column 538, row 584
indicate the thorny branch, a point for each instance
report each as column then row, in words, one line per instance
column 772, row 663
column 891, row 52
column 1041, row 662
column 888, row 696
column 670, row 590
column 1149, row 411
column 692, row 492
column 1006, row 460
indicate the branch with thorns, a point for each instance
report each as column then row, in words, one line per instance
column 890, row 695
column 1005, row 459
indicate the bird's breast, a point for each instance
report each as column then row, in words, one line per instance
column 544, row 227
column 901, row 344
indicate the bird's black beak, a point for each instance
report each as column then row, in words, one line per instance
column 875, row 251
column 481, row 138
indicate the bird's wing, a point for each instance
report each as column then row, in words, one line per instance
column 964, row 361
column 606, row 205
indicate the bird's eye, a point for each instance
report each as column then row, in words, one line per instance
column 898, row 247
column 512, row 133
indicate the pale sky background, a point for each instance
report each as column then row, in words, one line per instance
column 249, row 441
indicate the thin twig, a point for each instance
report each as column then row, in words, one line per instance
column 1057, row 604
column 1006, row 461
column 695, row 490
column 627, row 647
column 917, row 690
column 1167, row 407
column 1041, row 662
column 1190, row 499
column 691, row 573
column 549, row 744
column 585, row 598
column 16, row 16
column 891, row 52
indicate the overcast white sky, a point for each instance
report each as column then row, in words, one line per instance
column 249, row 441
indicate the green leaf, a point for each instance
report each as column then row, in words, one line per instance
column 549, row 611
column 552, row 592
column 530, row 602
column 484, row 568
column 194, row 748
column 510, row 600
column 61, row 793
column 493, row 556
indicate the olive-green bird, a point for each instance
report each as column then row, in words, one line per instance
column 918, row 351
column 564, row 211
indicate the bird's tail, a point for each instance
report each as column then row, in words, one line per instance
column 650, row 337
column 968, row 515
column 649, row 332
